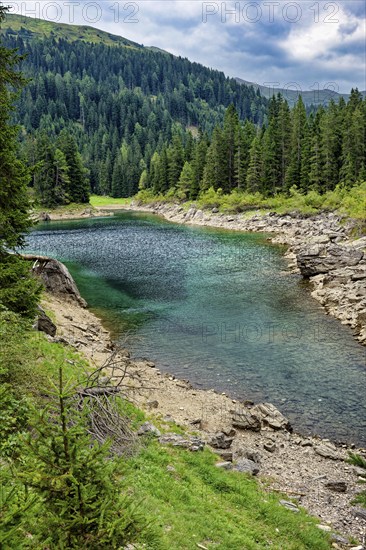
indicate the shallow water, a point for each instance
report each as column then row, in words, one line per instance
column 215, row 307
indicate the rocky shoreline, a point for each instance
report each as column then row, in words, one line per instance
column 322, row 248
column 255, row 439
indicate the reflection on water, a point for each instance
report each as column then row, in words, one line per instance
column 215, row 307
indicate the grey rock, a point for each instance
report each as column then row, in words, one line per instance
column 337, row 486
column 327, row 450
column 246, row 466
column 359, row 513
column 56, row 278
column 225, row 455
column 270, row 447
column 316, row 259
column 270, row 416
column 191, row 443
column 221, row 441
column 215, row 211
column 224, row 465
column 289, row 505
column 338, row 539
column 44, row 323
column 245, row 420
column 148, row 428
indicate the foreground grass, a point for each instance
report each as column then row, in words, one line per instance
column 349, row 202
column 193, row 502
column 186, row 499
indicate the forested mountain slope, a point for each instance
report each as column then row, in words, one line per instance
column 119, row 101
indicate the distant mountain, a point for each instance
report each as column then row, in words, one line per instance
column 310, row 97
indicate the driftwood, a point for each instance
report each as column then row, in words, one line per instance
column 102, row 401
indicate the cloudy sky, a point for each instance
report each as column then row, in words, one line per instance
column 304, row 44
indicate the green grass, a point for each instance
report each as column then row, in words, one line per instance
column 349, row 202
column 199, row 503
column 96, row 200
column 23, row 26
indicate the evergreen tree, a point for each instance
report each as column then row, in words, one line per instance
column 255, row 168
column 293, row 175
column 78, row 190
column 186, row 181
column 229, row 148
column 246, row 134
column 198, row 164
column 19, row 291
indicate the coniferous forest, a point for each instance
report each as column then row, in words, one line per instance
column 115, row 119
column 115, row 106
column 312, row 152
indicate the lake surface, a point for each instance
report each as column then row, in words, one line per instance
column 217, row 308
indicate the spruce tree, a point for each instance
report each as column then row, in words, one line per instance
column 293, row 175
column 19, row 291
column 255, row 168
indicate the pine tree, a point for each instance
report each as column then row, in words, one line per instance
column 246, row 134
column 77, row 479
column 293, row 174
column 255, row 168
column 186, row 181
column 198, row 164
column 18, row 290
column 229, row 147
column 78, row 190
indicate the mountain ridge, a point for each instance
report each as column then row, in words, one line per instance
column 310, row 97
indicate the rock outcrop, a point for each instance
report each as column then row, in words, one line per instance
column 316, row 259
column 56, row 278
column 44, row 323
column 263, row 415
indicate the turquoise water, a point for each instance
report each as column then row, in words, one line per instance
column 217, row 308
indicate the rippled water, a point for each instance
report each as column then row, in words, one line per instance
column 215, row 307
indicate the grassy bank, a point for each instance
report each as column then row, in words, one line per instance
column 186, row 500
column 349, row 202
column 99, row 202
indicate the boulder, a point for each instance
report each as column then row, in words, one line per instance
column 246, row 466
column 269, row 416
column 327, row 450
column 56, row 278
column 44, row 323
column 245, row 420
column 221, row 441
column 191, row 443
column 148, row 428
column 315, row 260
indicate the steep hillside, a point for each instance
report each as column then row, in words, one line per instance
column 29, row 28
column 120, row 102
